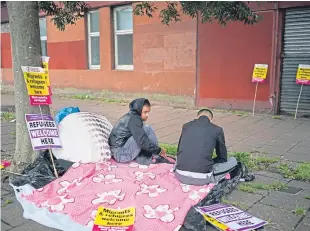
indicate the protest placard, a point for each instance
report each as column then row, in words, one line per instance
column 37, row 85
column 43, row 131
column 260, row 73
column 114, row 219
column 303, row 78
column 230, row 218
column 303, row 74
column 259, row 76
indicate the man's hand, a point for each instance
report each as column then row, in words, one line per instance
column 163, row 153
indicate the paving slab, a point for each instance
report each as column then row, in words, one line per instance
column 273, row 175
column 274, row 150
column 12, row 214
column 279, row 219
column 32, row 226
column 304, row 224
column 286, row 201
column 5, row 227
column 246, row 200
column 296, row 157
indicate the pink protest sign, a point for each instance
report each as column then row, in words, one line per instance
column 36, row 100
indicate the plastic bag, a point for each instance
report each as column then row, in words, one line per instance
column 194, row 220
column 64, row 112
column 40, row 172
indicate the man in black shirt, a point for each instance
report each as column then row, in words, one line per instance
column 195, row 164
column 131, row 140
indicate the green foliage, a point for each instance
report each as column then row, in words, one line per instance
column 7, row 116
column 170, row 149
column 208, row 11
column 300, row 211
column 63, row 12
column 252, row 186
column 302, row 172
column 68, row 12
column 254, row 162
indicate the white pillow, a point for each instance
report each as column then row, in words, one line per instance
column 84, row 137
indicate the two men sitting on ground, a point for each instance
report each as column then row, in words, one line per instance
column 131, row 140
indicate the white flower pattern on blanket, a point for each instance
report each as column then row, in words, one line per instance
column 151, row 190
column 136, row 165
column 161, row 212
column 140, row 176
column 107, row 179
column 57, row 204
column 67, row 185
column 109, row 197
column 93, row 214
column 166, row 211
column 195, row 195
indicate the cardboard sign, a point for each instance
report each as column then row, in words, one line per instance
column 43, row 131
column 260, row 73
column 230, row 218
column 37, row 85
column 114, row 219
column 303, row 74
column 36, row 100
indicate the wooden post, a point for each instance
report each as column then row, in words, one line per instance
column 255, row 98
column 298, row 101
column 49, row 150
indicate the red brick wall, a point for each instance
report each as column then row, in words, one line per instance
column 6, row 53
column 227, row 56
column 164, row 57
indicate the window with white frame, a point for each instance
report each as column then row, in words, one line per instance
column 43, row 36
column 123, row 37
column 93, row 39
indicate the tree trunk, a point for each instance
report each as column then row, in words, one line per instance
column 26, row 49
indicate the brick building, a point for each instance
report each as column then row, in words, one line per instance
column 114, row 50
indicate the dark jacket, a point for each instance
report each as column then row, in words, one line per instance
column 198, row 140
column 129, row 125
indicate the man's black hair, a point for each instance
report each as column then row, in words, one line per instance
column 205, row 110
column 147, row 103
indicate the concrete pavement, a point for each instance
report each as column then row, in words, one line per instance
column 286, row 138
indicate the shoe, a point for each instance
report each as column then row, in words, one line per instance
column 162, row 160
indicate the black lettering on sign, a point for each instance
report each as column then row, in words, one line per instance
column 223, row 211
column 37, row 92
column 44, row 141
column 245, row 223
column 50, row 140
column 47, row 141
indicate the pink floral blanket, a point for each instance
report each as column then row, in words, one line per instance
column 161, row 202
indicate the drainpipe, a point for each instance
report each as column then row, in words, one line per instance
column 197, row 89
column 273, row 98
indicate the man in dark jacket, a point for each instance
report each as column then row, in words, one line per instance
column 195, row 164
column 131, row 140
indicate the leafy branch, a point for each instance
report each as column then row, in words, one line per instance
column 63, row 12
column 222, row 12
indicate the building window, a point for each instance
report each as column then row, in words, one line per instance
column 43, row 36
column 123, row 31
column 93, row 39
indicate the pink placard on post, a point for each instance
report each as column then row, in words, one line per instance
column 36, row 100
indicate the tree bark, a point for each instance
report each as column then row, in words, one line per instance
column 26, row 50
